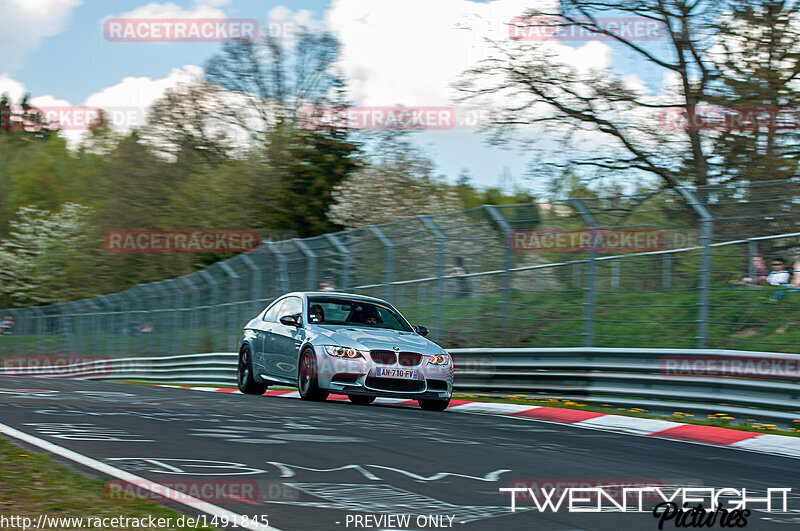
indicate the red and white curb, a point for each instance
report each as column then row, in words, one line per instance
column 663, row 429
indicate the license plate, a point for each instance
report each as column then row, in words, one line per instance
column 406, row 374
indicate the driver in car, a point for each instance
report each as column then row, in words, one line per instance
column 315, row 314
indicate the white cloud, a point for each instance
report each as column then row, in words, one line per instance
column 128, row 100
column 170, row 10
column 409, row 52
column 24, row 23
column 12, row 87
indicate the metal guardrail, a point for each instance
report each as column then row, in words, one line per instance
column 620, row 377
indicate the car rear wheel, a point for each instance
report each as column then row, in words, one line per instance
column 361, row 400
column 434, row 405
column 307, row 382
column 244, row 375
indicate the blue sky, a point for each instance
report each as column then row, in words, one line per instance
column 395, row 52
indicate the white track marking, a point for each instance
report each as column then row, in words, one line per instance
column 152, row 486
column 635, row 425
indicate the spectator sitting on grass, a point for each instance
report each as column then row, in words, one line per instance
column 779, row 275
column 760, row 272
column 793, row 282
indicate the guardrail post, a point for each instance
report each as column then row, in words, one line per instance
column 440, row 268
column 506, row 229
column 346, row 265
column 312, row 281
column 706, row 223
column 588, row 293
column 388, row 273
column 283, row 273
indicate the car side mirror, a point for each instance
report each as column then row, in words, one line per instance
column 291, row 320
column 421, row 330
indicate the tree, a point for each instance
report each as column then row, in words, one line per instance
column 759, row 56
column 47, row 257
column 397, row 184
column 541, row 88
column 185, row 124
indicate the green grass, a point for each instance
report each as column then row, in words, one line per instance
column 33, row 484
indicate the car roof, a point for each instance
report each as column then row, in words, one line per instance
column 333, row 294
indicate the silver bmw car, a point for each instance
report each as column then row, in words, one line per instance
column 325, row 342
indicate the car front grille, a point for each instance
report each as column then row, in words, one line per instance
column 383, row 357
column 395, row 384
column 410, row 359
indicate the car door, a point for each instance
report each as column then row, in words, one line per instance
column 287, row 340
column 264, row 338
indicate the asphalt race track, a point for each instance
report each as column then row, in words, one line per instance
column 320, row 465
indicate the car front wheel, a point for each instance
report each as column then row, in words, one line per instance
column 244, row 375
column 307, row 382
column 434, row 405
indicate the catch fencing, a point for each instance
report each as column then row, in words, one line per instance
column 669, row 269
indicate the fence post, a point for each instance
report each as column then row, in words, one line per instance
column 41, row 330
column 177, row 314
column 283, row 273
column 255, row 283
column 588, row 293
column 213, row 301
column 389, row 267
column 311, row 264
column 235, row 292
column 615, row 275
column 106, row 329
column 440, row 267
column 506, row 228
column 345, row 252
column 706, row 223
column 752, row 250
column 666, row 271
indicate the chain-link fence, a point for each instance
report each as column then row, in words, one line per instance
column 672, row 268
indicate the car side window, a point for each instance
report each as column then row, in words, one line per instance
column 272, row 311
column 291, row 306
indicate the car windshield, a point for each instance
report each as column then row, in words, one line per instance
column 351, row 312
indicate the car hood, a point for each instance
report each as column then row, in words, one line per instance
column 378, row 339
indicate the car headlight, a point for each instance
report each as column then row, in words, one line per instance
column 343, row 352
column 439, row 359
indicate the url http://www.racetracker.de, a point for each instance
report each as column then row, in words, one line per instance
column 45, row 521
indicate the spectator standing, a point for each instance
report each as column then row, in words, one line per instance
column 460, row 271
